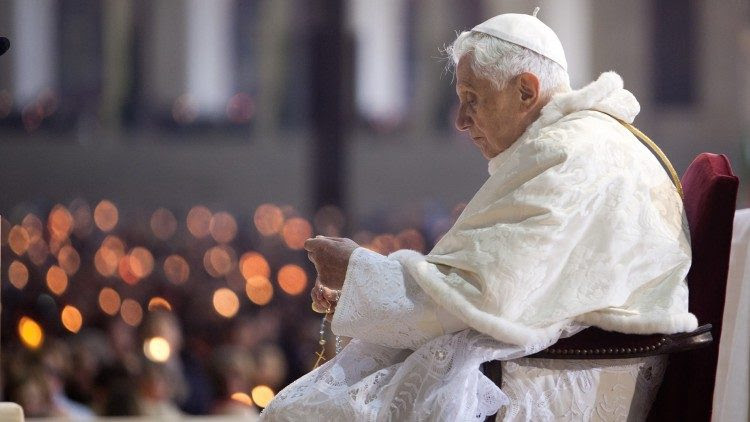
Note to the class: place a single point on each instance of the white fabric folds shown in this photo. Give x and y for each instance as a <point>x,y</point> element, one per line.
<point>578,222</point>
<point>577,225</point>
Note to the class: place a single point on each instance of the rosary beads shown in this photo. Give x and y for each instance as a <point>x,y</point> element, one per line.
<point>322,341</point>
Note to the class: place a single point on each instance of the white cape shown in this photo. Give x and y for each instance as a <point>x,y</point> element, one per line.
<point>577,225</point>
<point>578,222</point>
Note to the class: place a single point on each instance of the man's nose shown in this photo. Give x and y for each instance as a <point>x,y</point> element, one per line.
<point>463,122</point>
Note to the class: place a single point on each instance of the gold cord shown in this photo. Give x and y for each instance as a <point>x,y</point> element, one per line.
<point>651,145</point>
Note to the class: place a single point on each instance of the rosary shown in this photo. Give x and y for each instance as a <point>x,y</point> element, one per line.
<point>322,341</point>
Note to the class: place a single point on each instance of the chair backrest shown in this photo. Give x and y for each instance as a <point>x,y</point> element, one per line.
<point>710,189</point>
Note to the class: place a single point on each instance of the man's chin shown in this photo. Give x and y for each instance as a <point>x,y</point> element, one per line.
<point>487,154</point>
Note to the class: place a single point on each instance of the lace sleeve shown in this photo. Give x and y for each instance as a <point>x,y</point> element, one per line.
<point>380,303</point>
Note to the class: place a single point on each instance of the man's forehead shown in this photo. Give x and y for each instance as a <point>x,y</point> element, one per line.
<point>464,73</point>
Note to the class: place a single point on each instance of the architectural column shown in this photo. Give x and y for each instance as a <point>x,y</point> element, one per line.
<point>190,56</point>
<point>34,49</point>
<point>117,60</point>
<point>209,53</point>
<point>274,31</point>
<point>380,53</point>
<point>434,30</point>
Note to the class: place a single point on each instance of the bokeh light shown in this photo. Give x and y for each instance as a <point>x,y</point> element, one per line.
<point>106,215</point>
<point>262,395</point>
<point>223,227</point>
<point>157,349</point>
<point>19,240</point>
<point>107,258</point>
<point>292,279</point>
<point>33,226</point>
<point>384,244</point>
<point>295,231</point>
<point>59,222</point>
<point>163,224</point>
<point>411,239</point>
<point>82,219</point>
<point>219,260</point>
<point>38,252</point>
<point>268,219</point>
<point>30,333</point>
<point>57,280</point>
<point>243,398</point>
<point>141,262</point>
<point>109,301</point>
<point>18,274</point>
<point>68,259</point>
<point>176,269</point>
<point>252,264</point>
<point>157,303</point>
<point>259,290</point>
<point>226,302</point>
<point>71,318</point>
<point>240,108</point>
<point>125,271</point>
<point>199,221</point>
<point>131,312</point>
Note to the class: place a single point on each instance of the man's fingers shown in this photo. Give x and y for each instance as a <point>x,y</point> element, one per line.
<point>330,295</point>
<point>311,243</point>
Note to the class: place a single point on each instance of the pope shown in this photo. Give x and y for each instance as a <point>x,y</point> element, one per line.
<point>578,225</point>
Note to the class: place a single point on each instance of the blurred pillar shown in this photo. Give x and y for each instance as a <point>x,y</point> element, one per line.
<point>209,52</point>
<point>274,27</point>
<point>572,22</point>
<point>327,100</point>
<point>380,32</point>
<point>34,51</point>
<point>164,53</point>
<point>190,51</point>
<point>117,61</point>
<point>434,30</point>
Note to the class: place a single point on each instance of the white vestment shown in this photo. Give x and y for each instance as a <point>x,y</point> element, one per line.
<point>578,225</point>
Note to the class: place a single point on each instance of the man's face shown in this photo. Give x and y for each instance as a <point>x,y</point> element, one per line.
<point>493,118</point>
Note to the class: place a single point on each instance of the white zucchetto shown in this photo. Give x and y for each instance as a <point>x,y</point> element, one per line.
<point>527,31</point>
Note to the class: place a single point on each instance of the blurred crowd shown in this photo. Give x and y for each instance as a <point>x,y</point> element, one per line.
<point>114,313</point>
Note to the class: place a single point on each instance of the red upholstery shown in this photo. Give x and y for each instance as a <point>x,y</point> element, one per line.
<point>710,190</point>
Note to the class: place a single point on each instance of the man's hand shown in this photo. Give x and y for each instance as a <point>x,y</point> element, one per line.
<point>324,299</point>
<point>331,258</point>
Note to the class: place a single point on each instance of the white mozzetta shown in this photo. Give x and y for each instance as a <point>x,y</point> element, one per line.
<point>577,222</point>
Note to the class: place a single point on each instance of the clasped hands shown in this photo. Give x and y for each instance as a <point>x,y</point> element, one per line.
<point>330,255</point>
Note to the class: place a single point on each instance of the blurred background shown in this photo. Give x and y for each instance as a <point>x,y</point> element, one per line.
<point>163,162</point>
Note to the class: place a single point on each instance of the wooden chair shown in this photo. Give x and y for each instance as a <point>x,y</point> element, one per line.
<point>710,192</point>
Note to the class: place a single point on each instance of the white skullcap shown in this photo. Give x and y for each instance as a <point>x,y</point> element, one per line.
<point>527,31</point>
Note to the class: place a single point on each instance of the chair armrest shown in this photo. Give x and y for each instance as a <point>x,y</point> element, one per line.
<point>11,412</point>
<point>595,343</point>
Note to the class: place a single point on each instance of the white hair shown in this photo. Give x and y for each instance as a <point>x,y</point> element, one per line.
<point>500,61</point>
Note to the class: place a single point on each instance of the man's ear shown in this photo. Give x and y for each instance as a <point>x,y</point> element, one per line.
<point>528,87</point>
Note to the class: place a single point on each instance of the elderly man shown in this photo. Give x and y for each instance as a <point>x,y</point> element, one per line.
<point>578,225</point>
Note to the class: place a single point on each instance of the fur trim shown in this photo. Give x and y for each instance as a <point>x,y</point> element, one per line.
<point>604,94</point>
